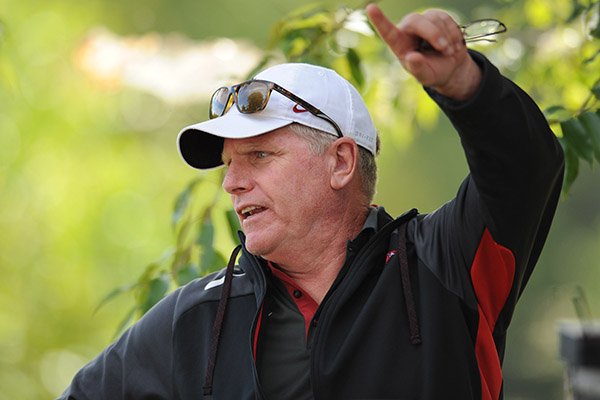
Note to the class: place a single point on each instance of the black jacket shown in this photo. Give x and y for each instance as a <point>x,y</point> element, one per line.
<point>434,328</point>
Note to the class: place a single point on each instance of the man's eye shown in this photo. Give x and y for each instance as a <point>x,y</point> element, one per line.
<point>261,155</point>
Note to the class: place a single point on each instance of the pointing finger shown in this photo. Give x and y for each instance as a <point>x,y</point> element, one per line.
<point>387,30</point>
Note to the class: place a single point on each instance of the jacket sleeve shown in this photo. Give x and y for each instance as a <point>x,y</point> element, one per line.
<point>138,365</point>
<point>485,242</point>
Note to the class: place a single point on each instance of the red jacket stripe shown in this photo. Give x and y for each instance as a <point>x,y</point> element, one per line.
<point>492,274</point>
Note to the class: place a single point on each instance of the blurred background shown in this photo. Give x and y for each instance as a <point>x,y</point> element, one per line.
<point>92,96</point>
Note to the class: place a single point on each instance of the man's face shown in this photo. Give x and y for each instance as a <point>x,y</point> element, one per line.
<point>279,189</point>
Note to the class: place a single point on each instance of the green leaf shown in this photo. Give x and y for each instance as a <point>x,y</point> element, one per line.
<point>557,113</point>
<point>181,259</point>
<point>306,11</point>
<point>355,68</point>
<point>207,232</point>
<point>571,166</point>
<point>310,16</point>
<point>596,88</point>
<point>591,123</point>
<point>577,138</point>
<point>182,201</point>
<point>234,224</point>
<point>207,259</point>
<point>154,291</point>
<point>595,31</point>
<point>187,274</point>
<point>205,240</point>
<point>112,294</point>
<point>322,21</point>
<point>220,261</point>
<point>148,273</point>
<point>182,232</point>
<point>577,10</point>
<point>296,47</point>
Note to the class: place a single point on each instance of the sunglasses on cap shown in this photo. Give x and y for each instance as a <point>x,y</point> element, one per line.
<point>252,96</point>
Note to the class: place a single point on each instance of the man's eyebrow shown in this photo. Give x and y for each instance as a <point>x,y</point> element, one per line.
<point>244,149</point>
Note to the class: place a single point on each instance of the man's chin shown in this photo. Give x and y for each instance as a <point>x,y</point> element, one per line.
<point>258,246</point>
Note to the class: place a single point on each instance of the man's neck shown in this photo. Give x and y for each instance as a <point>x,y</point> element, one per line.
<point>315,264</point>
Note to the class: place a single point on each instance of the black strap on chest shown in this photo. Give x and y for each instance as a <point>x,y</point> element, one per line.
<point>218,324</point>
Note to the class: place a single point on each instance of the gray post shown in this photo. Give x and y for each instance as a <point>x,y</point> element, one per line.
<point>580,349</point>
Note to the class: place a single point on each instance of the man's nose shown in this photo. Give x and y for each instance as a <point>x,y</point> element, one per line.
<point>237,179</point>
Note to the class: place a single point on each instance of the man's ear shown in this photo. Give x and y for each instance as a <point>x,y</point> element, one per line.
<point>344,162</point>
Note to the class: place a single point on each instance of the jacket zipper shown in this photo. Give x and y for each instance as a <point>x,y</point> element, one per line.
<point>362,254</point>
<point>260,275</point>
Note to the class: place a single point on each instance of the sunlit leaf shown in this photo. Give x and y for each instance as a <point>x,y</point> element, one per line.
<point>296,47</point>
<point>577,138</point>
<point>557,113</point>
<point>323,22</point>
<point>317,17</point>
<point>571,165</point>
<point>591,123</point>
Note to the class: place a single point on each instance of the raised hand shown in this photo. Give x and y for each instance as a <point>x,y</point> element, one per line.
<point>446,67</point>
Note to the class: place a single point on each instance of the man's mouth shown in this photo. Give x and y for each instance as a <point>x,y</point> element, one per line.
<point>250,211</point>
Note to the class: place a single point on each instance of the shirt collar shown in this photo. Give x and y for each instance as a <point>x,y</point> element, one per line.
<point>369,228</point>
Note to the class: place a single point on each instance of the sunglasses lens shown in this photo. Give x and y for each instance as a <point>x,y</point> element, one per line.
<point>252,97</point>
<point>218,102</point>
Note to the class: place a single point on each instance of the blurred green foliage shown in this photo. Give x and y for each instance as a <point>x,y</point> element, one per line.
<point>89,173</point>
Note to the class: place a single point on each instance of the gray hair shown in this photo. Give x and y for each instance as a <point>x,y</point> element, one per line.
<point>319,141</point>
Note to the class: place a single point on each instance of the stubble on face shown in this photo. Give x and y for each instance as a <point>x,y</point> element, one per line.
<point>280,190</point>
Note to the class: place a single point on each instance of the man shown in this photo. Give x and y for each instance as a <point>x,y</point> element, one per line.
<point>333,298</point>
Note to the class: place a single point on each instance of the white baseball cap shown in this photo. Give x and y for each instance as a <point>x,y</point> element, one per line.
<point>201,144</point>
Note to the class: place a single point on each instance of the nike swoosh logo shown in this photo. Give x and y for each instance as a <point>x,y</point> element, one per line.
<point>298,109</point>
<point>219,282</point>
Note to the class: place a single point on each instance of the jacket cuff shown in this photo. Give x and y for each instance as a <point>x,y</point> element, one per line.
<point>487,94</point>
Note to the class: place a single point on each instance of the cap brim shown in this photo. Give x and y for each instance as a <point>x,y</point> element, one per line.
<point>200,145</point>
